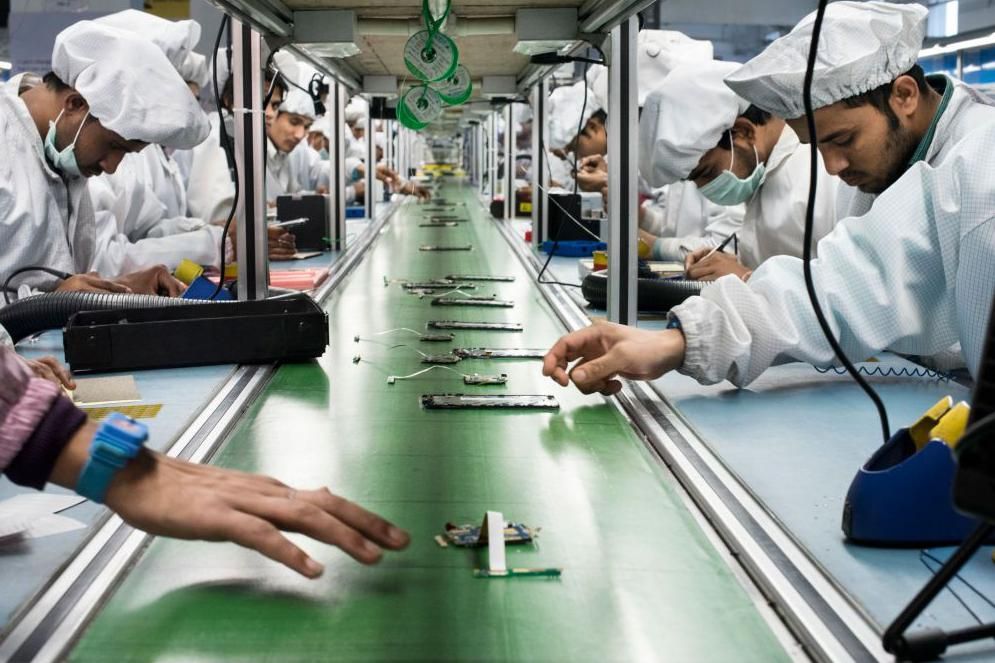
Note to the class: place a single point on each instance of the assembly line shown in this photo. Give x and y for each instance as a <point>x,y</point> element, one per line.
<point>449,331</point>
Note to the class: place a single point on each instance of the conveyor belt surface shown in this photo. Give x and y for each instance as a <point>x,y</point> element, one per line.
<point>641,580</point>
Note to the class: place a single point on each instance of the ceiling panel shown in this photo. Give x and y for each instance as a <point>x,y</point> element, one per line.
<point>412,8</point>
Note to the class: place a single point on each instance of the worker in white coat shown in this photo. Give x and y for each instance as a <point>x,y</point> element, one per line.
<point>292,166</point>
<point>915,273</point>
<point>141,209</point>
<point>673,216</point>
<point>695,129</point>
<point>93,108</point>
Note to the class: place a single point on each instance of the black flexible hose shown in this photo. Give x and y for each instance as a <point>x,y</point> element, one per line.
<point>659,295</point>
<point>52,310</point>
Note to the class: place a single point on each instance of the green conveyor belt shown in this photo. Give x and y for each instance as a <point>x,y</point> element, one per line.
<point>640,580</point>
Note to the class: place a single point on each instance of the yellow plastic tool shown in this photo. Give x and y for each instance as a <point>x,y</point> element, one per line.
<point>188,271</point>
<point>953,424</point>
<point>920,431</point>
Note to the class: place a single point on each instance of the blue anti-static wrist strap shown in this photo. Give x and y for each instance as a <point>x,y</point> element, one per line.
<point>95,479</point>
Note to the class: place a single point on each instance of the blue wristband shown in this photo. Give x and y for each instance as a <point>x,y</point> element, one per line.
<point>118,440</point>
<point>673,322</point>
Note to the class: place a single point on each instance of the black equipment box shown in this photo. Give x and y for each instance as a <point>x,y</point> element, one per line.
<point>313,235</point>
<point>289,328</point>
<point>567,210</point>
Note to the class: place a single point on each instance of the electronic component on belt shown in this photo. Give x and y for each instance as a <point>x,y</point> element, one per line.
<point>473,301</point>
<point>476,326</point>
<point>440,359</point>
<point>426,338</point>
<point>489,401</point>
<point>438,224</point>
<point>484,380</point>
<point>473,536</point>
<point>480,277</point>
<point>438,285</point>
<point>459,247</point>
<point>500,353</point>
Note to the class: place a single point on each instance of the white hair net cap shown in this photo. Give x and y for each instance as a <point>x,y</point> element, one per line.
<point>658,52</point>
<point>380,140</point>
<point>356,109</point>
<point>684,118</point>
<point>194,70</point>
<point>567,113</point>
<point>323,126</point>
<point>298,102</point>
<point>130,86</point>
<point>175,38</point>
<point>863,45</point>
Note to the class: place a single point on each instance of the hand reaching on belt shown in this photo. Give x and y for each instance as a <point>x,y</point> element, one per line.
<point>170,497</point>
<point>606,351</point>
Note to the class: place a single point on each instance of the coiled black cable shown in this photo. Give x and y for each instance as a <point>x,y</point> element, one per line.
<point>891,372</point>
<point>38,313</point>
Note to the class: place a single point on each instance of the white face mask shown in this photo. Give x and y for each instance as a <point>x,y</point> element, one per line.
<point>727,189</point>
<point>63,160</point>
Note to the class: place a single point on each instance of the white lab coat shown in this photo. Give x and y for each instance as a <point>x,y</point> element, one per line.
<point>684,221</point>
<point>774,224</point>
<point>915,274</point>
<point>45,220</point>
<point>210,190</point>
<point>301,169</point>
<point>141,218</point>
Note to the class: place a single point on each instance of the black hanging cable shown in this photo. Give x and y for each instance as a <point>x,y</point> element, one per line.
<point>31,268</point>
<point>810,222</point>
<point>228,149</point>
<point>556,239</point>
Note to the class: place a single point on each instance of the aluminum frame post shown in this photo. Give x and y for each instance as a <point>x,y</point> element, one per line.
<point>371,167</point>
<point>494,143</point>
<point>337,179</point>
<point>509,161</point>
<point>623,112</point>
<point>388,134</point>
<point>540,181</point>
<point>250,158</point>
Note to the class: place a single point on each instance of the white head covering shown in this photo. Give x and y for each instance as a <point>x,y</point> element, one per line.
<point>380,140</point>
<point>323,126</point>
<point>863,45</point>
<point>658,52</point>
<point>130,86</point>
<point>567,112</point>
<point>684,118</point>
<point>356,109</point>
<point>194,70</point>
<point>299,102</point>
<point>175,38</point>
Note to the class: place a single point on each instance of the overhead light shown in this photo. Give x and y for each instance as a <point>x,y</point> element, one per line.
<point>544,30</point>
<point>5,66</point>
<point>941,49</point>
<point>329,33</point>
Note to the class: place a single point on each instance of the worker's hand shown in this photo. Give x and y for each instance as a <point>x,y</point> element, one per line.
<point>153,281</point>
<point>608,351</point>
<point>91,282</point>
<point>412,189</point>
<point>51,369</point>
<point>387,175</point>
<point>701,268</point>
<point>170,497</point>
<point>592,163</point>
<point>592,180</point>
<point>282,244</point>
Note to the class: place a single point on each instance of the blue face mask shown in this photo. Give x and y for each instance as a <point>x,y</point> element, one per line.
<point>727,189</point>
<point>323,153</point>
<point>65,160</point>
